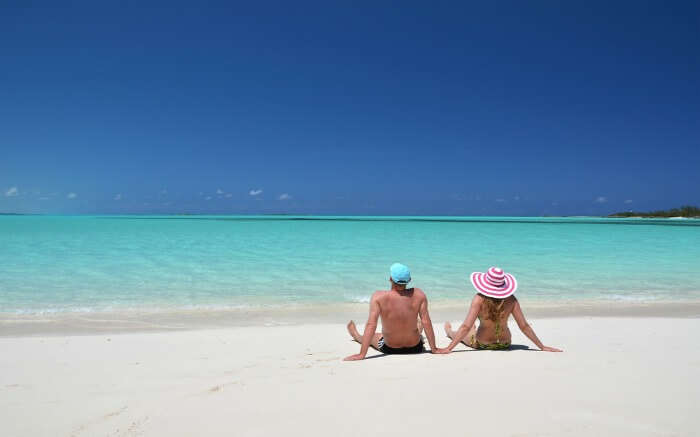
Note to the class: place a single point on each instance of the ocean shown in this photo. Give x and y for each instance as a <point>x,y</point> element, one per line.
<point>54,264</point>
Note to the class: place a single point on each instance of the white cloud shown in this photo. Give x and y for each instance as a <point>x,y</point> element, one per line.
<point>219,191</point>
<point>71,195</point>
<point>284,196</point>
<point>255,192</point>
<point>11,192</point>
<point>118,196</point>
<point>43,198</point>
<point>500,200</point>
<point>628,201</point>
<point>601,199</point>
<point>516,198</point>
<point>207,198</point>
<point>228,195</point>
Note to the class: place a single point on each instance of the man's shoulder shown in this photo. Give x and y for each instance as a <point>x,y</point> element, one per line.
<point>417,292</point>
<point>379,294</point>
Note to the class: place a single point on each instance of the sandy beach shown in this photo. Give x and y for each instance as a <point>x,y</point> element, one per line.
<point>617,376</point>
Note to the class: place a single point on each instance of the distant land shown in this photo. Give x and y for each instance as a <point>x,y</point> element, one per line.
<point>683,211</point>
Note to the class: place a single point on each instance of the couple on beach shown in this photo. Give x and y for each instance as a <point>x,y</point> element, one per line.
<point>404,313</point>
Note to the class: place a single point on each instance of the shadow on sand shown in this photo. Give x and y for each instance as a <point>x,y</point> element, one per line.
<point>513,347</point>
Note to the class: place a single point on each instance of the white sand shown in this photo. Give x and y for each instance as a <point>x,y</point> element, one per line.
<point>617,376</point>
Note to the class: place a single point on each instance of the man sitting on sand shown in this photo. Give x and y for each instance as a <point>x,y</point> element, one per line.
<point>399,309</point>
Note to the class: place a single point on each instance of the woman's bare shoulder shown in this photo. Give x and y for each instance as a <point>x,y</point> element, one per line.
<point>510,304</point>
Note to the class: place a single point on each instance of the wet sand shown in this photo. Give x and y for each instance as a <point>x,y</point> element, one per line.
<point>163,320</point>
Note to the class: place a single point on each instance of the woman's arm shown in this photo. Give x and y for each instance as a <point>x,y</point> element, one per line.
<point>468,322</point>
<point>527,329</point>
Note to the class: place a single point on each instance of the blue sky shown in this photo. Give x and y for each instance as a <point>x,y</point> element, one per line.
<point>458,108</point>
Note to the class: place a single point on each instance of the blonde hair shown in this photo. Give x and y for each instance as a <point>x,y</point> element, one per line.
<point>494,307</point>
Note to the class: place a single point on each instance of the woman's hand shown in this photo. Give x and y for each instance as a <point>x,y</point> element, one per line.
<point>440,351</point>
<point>550,349</point>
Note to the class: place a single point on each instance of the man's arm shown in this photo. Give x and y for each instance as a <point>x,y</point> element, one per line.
<point>468,322</point>
<point>428,326</point>
<point>527,329</point>
<point>370,329</point>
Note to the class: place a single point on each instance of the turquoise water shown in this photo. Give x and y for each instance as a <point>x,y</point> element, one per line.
<point>50,263</point>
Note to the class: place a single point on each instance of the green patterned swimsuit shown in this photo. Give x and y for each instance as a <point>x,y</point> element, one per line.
<point>497,346</point>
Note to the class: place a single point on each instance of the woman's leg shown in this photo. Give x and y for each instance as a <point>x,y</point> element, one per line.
<point>352,330</point>
<point>469,340</point>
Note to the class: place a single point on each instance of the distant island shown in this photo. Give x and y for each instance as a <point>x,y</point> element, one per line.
<point>683,211</point>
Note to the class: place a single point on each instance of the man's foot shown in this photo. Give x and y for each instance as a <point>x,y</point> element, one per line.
<point>352,330</point>
<point>448,329</point>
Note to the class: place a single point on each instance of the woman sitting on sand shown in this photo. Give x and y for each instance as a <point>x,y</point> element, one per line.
<point>493,304</point>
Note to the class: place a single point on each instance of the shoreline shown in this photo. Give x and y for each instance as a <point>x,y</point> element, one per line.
<point>164,320</point>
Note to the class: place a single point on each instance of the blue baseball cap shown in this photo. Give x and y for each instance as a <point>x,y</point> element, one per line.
<point>400,273</point>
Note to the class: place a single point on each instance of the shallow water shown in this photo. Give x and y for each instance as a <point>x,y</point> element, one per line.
<point>87,263</point>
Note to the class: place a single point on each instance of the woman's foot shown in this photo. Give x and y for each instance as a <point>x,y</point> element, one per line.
<point>448,329</point>
<point>352,330</point>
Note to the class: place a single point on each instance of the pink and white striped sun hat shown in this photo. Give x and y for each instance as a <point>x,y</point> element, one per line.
<point>494,283</point>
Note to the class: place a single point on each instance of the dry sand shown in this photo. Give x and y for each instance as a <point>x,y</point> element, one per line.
<point>617,377</point>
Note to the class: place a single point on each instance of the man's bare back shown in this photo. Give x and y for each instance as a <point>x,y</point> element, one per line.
<point>399,309</point>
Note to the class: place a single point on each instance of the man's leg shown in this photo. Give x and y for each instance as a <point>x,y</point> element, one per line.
<point>467,341</point>
<point>352,329</point>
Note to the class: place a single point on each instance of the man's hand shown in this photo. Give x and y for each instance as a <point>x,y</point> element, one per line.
<point>551,349</point>
<point>440,351</point>
<point>355,357</point>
